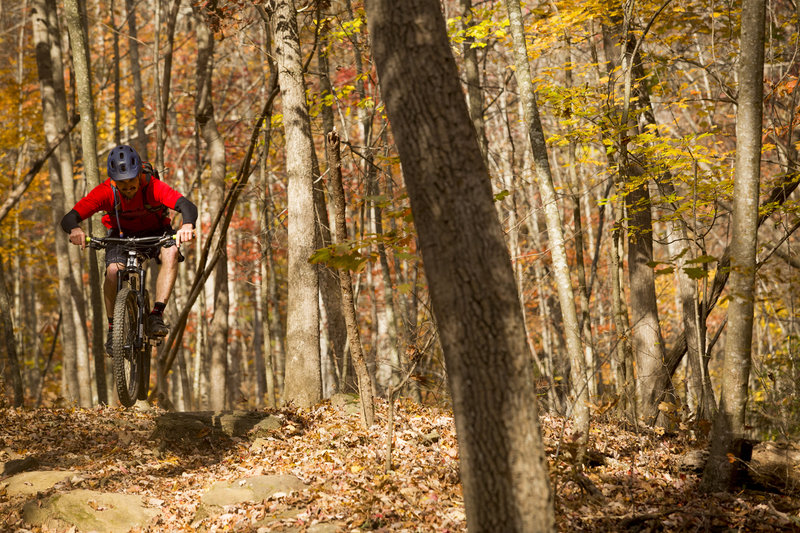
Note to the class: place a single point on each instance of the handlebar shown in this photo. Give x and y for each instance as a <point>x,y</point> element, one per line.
<point>129,242</point>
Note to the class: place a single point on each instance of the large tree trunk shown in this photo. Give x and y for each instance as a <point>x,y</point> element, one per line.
<point>648,342</point>
<point>475,302</point>
<point>729,424</point>
<point>217,284</point>
<point>302,384</point>
<point>78,32</point>
<point>49,60</point>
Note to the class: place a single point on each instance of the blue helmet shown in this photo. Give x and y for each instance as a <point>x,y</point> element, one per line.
<point>123,163</point>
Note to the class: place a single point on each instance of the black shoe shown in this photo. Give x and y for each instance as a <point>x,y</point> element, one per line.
<point>156,326</point>
<point>109,344</point>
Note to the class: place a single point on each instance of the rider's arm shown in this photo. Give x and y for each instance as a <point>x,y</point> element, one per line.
<point>70,221</point>
<point>187,209</point>
<point>96,200</point>
<point>101,198</point>
<point>70,224</point>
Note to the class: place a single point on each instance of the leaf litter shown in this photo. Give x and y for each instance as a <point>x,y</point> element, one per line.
<point>634,480</point>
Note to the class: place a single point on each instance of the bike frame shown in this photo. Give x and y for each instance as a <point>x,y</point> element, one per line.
<point>133,273</point>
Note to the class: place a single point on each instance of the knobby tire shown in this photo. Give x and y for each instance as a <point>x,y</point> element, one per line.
<point>125,358</point>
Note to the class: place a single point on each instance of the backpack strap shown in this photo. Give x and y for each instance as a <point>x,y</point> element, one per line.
<point>150,204</point>
<point>117,202</point>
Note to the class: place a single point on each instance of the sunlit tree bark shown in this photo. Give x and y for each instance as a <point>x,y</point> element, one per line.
<point>78,32</point>
<point>302,384</point>
<point>217,285</point>
<point>49,61</point>
<point>555,230</point>
<point>729,423</point>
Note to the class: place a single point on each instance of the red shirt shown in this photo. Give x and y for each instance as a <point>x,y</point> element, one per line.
<point>135,215</point>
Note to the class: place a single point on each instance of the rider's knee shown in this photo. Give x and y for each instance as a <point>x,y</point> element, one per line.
<point>169,255</point>
<point>111,270</point>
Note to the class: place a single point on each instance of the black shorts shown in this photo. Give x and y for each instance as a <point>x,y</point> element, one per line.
<point>115,253</point>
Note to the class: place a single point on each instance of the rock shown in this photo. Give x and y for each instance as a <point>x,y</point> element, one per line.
<point>194,426</point>
<point>173,427</point>
<point>693,461</point>
<point>430,438</point>
<point>260,445</point>
<point>266,427</point>
<point>239,423</point>
<point>30,483</point>
<point>347,403</point>
<point>776,465</point>
<point>89,510</point>
<point>252,489</point>
<point>15,466</point>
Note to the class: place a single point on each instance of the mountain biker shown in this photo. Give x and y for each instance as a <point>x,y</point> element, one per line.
<point>135,205</point>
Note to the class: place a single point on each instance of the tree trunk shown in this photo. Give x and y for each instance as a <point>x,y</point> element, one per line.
<point>302,385</point>
<point>475,302</point>
<point>337,324</point>
<point>584,322</point>
<point>624,348</point>
<point>346,282</point>
<point>49,61</point>
<point>694,325</point>
<point>7,337</point>
<point>217,284</point>
<point>276,323</point>
<point>330,290</point>
<point>473,79</point>
<point>133,45</point>
<point>647,340</point>
<point>163,92</point>
<point>555,231</point>
<point>9,343</point>
<point>260,348</point>
<point>729,424</point>
<point>83,76</point>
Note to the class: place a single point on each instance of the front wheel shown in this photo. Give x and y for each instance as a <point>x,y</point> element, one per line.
<point>126,359</point>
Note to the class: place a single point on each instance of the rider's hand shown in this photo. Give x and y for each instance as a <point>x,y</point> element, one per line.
<point>185,234</point>
<point>78,237</point>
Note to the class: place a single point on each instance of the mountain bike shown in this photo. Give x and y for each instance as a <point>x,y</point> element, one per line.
<point>130,341</point>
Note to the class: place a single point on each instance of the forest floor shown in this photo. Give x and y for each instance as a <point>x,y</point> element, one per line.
<point>636,484</point>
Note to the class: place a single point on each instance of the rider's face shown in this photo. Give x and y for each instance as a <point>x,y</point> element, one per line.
<point>128,188</point>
